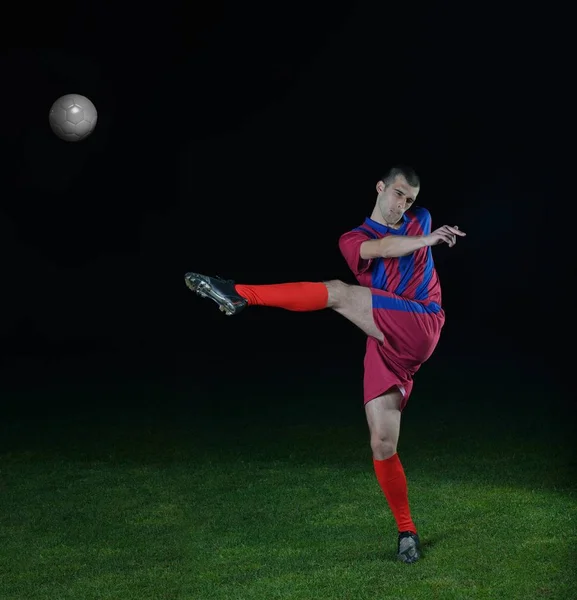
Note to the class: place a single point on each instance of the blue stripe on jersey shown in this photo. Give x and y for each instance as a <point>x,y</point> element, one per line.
<point>424,218</point>
<point>404,305</point>
<point>379,275</point>
<point>422,291</point>
<point>406,269</point>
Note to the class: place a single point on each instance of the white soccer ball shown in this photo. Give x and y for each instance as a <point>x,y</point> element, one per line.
<point>73,117</point>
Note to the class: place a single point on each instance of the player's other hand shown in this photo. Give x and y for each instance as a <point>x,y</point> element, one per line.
<point>446,234</point>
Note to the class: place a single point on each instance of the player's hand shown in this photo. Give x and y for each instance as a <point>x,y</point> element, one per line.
<point>445,234</point>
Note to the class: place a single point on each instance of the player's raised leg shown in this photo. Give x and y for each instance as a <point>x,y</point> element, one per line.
<point>355,303</point>
<point>384,420</point>
<point>352,301</point>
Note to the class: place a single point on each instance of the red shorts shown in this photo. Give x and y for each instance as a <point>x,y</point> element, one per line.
<point>412,330</point>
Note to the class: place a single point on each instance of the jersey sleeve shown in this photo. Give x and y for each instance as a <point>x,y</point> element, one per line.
<point>350,247</point>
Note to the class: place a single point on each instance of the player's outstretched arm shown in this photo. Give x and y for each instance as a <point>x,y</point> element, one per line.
<point>394,246</point>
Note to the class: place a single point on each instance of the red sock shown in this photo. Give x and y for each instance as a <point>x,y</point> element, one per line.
<point>301,296</point>
<point>393,482</point>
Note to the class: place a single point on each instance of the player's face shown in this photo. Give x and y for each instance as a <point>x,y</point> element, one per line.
<point>395,199</point>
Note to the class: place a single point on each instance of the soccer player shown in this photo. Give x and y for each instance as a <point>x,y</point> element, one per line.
<point>397,304</point>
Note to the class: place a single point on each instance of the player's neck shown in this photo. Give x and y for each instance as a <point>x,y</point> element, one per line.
<point>375,216</point>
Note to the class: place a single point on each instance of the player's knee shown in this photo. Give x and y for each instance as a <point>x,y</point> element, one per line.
<point>382,448</point>
<point>337,292</point>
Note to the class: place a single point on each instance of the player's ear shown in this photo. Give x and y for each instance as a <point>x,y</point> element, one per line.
<point>380,187</point>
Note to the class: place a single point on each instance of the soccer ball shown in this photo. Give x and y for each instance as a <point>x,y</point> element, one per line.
<point>73,117</point>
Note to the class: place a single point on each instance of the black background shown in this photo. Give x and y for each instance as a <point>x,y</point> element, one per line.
<point>243,142</point>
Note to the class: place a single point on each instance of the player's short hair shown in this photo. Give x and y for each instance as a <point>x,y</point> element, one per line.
<point>407,172</point>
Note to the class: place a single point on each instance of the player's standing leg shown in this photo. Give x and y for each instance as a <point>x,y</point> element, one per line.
<point>384,420</point>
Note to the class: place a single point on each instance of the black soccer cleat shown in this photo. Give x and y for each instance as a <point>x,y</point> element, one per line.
<point>219,290</point>
<point>408,549</point>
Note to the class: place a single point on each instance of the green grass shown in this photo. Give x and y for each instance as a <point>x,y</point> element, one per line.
<point>274,507</point>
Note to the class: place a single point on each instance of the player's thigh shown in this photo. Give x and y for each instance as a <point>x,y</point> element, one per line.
<point>355,303</point>
<point>384,417</point>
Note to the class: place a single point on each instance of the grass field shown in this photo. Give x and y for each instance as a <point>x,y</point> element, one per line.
<point>280,501</point>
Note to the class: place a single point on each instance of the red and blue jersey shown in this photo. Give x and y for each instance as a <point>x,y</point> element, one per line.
<point>411,277</point>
